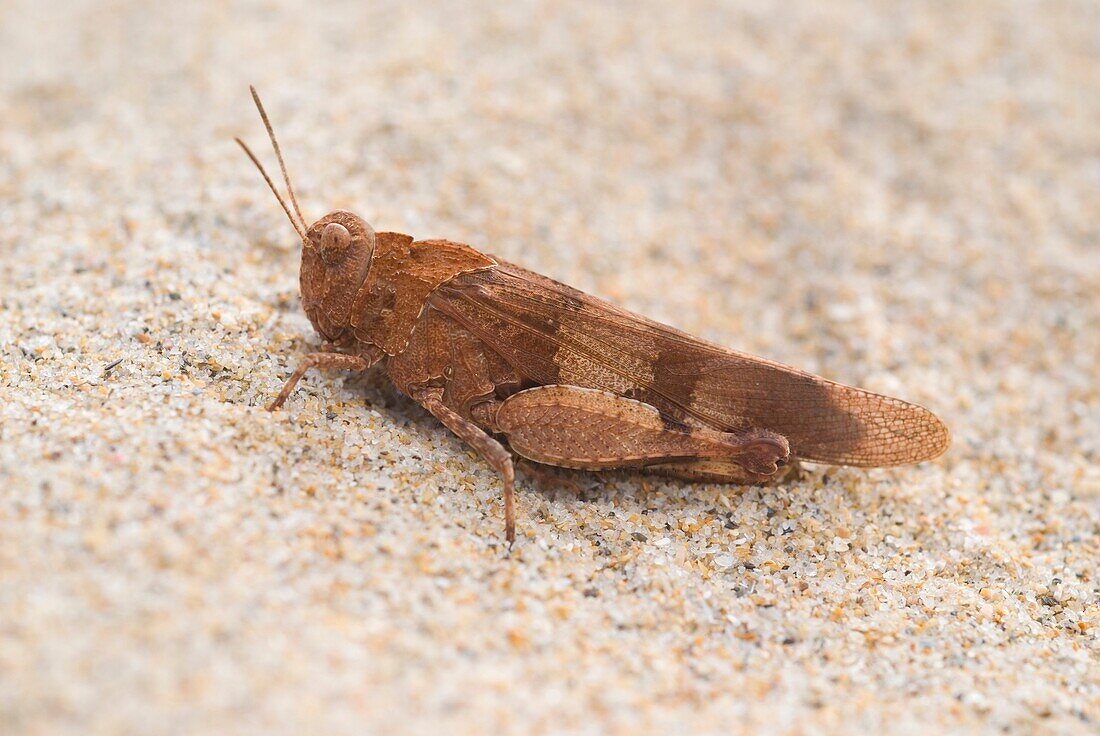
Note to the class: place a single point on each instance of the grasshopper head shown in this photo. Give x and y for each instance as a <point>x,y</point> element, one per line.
<point>338,237</point>
<point>336,255</point>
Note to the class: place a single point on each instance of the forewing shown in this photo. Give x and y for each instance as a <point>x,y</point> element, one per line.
<point>552,333</point>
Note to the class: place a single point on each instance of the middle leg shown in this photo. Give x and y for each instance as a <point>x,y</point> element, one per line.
<point>431,398</point>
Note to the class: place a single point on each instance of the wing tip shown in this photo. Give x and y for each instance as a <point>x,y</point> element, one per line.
<point>935,436</point>
<point>924,436</point>
<point>895,433</point>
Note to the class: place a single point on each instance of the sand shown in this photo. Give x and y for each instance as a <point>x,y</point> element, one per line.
<point>901,196</point>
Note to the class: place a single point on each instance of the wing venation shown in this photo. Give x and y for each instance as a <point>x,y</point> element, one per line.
<point>552,333</point>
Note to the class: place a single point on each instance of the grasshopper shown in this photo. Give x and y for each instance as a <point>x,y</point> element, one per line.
<point>514,362</point>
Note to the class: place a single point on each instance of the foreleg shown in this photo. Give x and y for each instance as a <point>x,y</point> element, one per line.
<point>325,359</point>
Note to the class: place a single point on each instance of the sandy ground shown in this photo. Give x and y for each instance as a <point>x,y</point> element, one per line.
<point>905,196</point>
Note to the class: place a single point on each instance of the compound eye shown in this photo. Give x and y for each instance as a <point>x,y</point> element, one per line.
<point>334,239</point>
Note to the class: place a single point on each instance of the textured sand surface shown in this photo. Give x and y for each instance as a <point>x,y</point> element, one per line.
<point>905,196</point>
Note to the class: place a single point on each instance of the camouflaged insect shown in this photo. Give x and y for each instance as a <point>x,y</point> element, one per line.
<point>511,360</point>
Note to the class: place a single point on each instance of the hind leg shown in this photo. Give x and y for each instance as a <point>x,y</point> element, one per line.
<point>584,428</point>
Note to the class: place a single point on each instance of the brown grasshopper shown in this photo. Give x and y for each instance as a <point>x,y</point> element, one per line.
<point>503,356</point>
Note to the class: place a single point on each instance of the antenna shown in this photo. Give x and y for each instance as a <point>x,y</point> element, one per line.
<point>274,191</point>
<point>278,154</point>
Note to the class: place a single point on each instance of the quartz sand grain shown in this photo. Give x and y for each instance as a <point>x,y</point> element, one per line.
<point>901,196</point>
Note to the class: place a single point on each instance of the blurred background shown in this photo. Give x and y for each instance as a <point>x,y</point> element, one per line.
<point>904,196</point>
